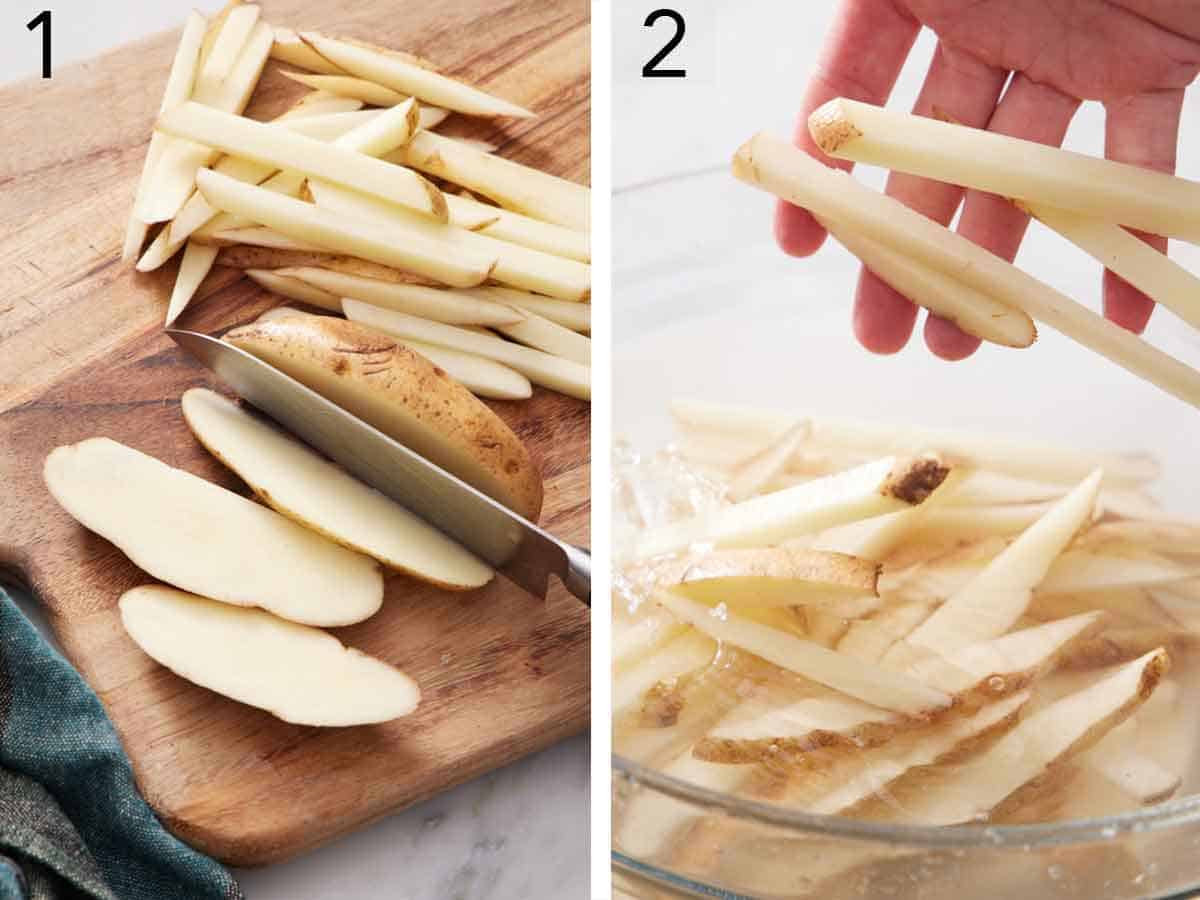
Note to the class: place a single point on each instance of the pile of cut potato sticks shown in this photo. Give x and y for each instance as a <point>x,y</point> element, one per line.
<point>1090,201</point>
<point>904,625</point>
<point>332,205</point>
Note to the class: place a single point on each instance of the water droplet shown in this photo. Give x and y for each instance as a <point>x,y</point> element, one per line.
<point>996,683</point>
<point>720,611</point>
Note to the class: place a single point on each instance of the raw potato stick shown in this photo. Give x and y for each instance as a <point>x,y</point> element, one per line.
<point>1000,453</point>
<point>305,222</point>
<point>854,678</point>
<point>288,48</point>
<point>176,171</point>
<point>873,489</point>
<point>992,602</point>
<point>435,304</point>
<point>560,375</point>
<point>570,314</point>
<point>677,657</point>
<point>348,86</point>
<point>542,334</point>
<point>409,78</point>
<point>258,237</point>
<point>277,282</point>
<point>180,83</point>
<point>482,377</point>
<point>323,497</point>
<point>781,169</point>
<point>506,225</point>
<point>510,184</point>
<point>516,265</point>
<point>757,471</point>
<point>297,673</point>
<point>196,264</point>
<point>264,258</point>
<point>286,150</point>
<point>202,538</point>
<point>231,41</point>
<point>1011,167</point>
<point>974,312</point>
<point>778,576</point>
<point>979,786</point>
<point>1153,273</point>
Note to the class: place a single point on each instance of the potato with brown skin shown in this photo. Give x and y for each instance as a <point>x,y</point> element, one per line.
<point>247,257</point>
<point>405,396</point>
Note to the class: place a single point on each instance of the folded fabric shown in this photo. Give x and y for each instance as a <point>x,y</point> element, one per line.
<point>72,823</point>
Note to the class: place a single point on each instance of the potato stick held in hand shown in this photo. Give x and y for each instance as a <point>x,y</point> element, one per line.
<point>972,157</point>
<point>287,150</point>
<point>409,78</point>
<point>560,375</point>
<point>974,312</point>
<point>780,168</point>
<point>1153,273</point>
<point>305,222</point>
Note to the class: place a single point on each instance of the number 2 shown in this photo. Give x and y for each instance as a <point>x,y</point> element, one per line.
<point>650,69</point>
<point>43,19</point>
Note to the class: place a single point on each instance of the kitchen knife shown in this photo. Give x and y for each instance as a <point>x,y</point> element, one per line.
<point>514,546</point>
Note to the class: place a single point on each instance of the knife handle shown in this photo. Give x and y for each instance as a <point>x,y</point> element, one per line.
<point>578,579</point>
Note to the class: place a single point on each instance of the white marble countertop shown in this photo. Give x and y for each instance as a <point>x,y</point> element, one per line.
<point>519,833</point>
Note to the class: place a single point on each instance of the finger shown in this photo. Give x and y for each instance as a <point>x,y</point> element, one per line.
<point>861,58</point>
<point>1142,130</point>
<point>1028,110</point>
<point>957,87</point>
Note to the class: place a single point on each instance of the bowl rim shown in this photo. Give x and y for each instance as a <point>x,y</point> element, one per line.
<point>1159,817</point>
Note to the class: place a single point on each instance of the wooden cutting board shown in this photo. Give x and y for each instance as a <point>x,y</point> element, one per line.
<point>82,354</point>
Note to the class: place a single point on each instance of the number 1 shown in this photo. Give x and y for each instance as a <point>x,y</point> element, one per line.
<point>43,18</point>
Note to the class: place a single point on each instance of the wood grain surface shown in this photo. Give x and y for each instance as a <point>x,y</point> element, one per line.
<point>82,354</point>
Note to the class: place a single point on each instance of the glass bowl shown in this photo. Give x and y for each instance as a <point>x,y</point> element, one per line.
<point>705,307</point>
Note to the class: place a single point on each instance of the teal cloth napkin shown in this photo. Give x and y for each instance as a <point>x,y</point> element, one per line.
<point>72,823</point>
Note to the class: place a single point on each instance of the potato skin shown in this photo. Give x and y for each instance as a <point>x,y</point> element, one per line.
<point>380,380</point>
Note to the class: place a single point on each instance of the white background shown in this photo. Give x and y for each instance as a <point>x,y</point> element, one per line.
<point>514,834</point>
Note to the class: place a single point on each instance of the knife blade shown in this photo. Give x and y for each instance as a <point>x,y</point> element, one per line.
<point>517,548</point>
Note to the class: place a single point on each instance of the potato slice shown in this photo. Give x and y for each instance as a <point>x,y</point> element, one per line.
<point>309,489</point>
<point>403,395</point>
<point>993,601</point>
<point>854,678</point>
<point>286,149</point>
<point>510,184</point>
<point>980,787</point>
<point>860,493</point>
<point>777,576</point>
<point>561,375</point>
<point>434,304</point>
<point>410,78</point>
<point>295,672</point>
<point>202,538</point>
<point>305,222</point>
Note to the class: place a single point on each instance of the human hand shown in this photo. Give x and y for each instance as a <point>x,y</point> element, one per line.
<point>1135,56</point>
